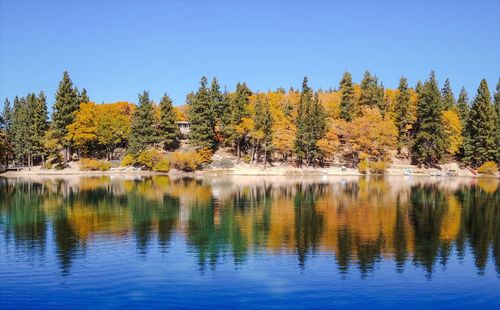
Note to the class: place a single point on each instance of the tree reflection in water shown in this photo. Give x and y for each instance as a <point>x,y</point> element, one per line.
<point>358,221</point>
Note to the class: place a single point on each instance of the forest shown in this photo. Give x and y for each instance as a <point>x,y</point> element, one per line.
<point>362,125</point>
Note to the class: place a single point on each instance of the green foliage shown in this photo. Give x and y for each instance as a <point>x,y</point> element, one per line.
<point>403,119</point>
<point>144,133</point>
<point>128,160</point>
<point>163,165</point>
<point>169,130</point>
<point>372,94</point>
<point>186,161</point>
<point>238,130</point>
<point>447,97</point>
<point>430,140</point>
<point>347,108</point>
<point>311,126</point>
<point>496,103</point>
<point>201,117</point>
<point>488,168</point>
<point>67,103</point>
<point>480,143</point>
<point>88,164</point>
<point>463,107</point>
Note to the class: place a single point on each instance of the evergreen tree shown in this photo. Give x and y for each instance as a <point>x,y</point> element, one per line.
<point>447,97</point>
<point>311,125</point>
<point>21,130</point>
<point>7,117</point>
<point>463,107</point>
<point>202,133</point>
<point>83,97</point>
<point>496,102</point>
<point>238,111</point>
<point>144,133</point>
<point>67,103</point>
<point>169,129</point>
<point>480,140</point>
<point>221,112</point>
<point>403,119</point>
<point>372,94</point>
<point>347,108</point>
<point>430,139</point>
<point>39,124</point>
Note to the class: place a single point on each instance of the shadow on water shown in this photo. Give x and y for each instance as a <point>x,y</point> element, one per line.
<point>359,222</point>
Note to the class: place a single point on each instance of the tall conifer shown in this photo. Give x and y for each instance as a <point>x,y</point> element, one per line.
<point>480,143</point>
<point>169,130</point>
<point>430,140</point>
<point>201,118</point>
<point>403,119</point>
<point>144,133</point>
<point>347,108</point>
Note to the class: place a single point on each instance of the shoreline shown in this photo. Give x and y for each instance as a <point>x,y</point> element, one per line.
<point>253,171</point>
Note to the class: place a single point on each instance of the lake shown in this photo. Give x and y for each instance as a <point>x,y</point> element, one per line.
<point>249,242</point>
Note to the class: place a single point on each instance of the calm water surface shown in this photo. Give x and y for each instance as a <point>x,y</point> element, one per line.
<point>249,242</point>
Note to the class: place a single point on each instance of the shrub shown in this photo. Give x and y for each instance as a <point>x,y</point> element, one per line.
<point>488,168</point>
<point>149,158</point>
<point>378,167</point>
<point>104,165</point>
<point>88,164</point>
<point>363,166</point>
<point>47,165</point>
<point>162,166</point>
<point>189,161</point>
<point>128,160</point>
<point>205,155</point>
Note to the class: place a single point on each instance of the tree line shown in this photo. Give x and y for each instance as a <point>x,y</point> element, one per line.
<point>350,123</point>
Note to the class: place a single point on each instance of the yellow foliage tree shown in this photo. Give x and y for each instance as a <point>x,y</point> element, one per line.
<point>370,133</point>
<point>453,130</point>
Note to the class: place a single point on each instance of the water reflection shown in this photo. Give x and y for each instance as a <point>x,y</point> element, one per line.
<point>358,222</point>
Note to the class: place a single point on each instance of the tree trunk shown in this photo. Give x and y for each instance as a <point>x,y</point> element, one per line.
<point>65,156</point>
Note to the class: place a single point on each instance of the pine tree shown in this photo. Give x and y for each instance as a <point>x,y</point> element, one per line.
<point>480,140</point>
<point>447,97</point>
<point>21,130</point>
<point>201,118</point>
<point>144,133</point>
<point>83,97</point>
<point>403,117</point>
<point>372,94</point>
<point>463,107</point>
<point>347,108</point>
<point>169,129</point>
<point>7,118</point>
<point>67,103</point>
<point>430,140</point>
<point>496,102</point>
<point>39,124</point>
<point>311,125</point>
<point>238,106</point>
<point>221,112</point>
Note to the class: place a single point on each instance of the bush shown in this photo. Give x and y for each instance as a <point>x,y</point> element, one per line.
<point>363,166</point>
<point>104,166</point>
<point>488,168</point>
<point>189,161</point>
<point>162,166</point>
<point>205,155</point>
<point>149,158</point>
<point>88,164</point>
<point>128,160</point>
<point>378,167</point>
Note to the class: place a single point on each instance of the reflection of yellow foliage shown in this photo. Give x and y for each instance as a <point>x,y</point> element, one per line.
<point>451,220</point>
<point>489,186</point>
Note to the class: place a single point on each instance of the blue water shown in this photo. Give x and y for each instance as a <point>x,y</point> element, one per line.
<point>249,243</point>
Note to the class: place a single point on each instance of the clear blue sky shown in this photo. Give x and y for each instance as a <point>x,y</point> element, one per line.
<point>117,49</point>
